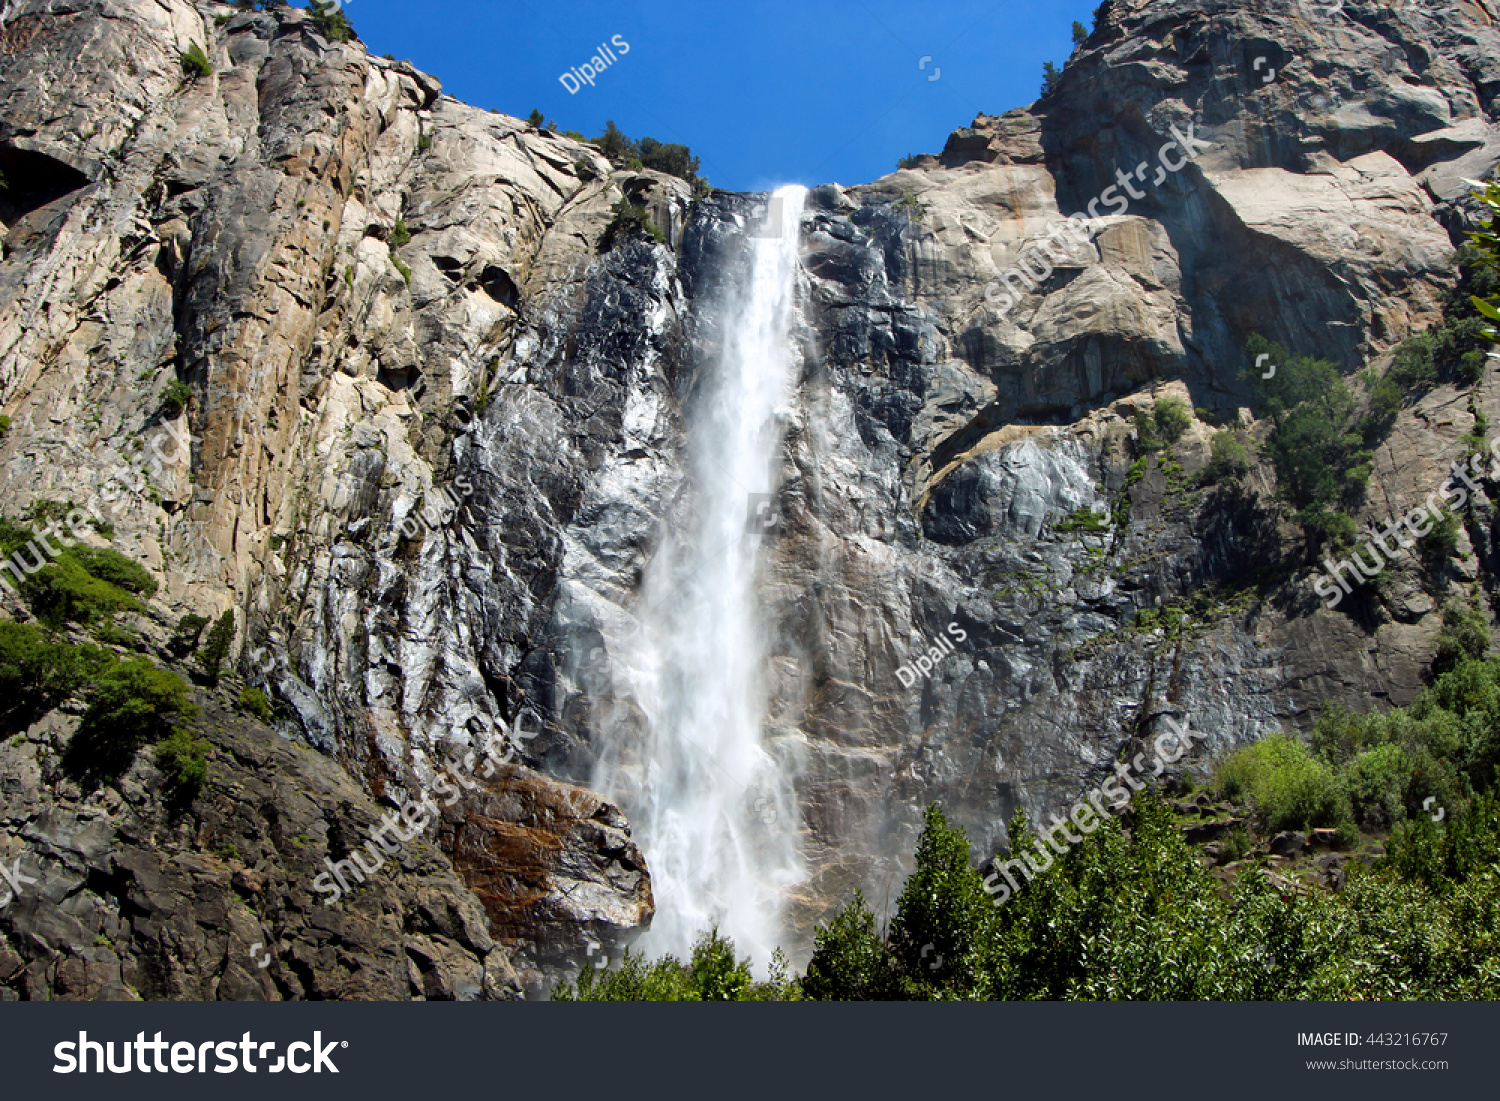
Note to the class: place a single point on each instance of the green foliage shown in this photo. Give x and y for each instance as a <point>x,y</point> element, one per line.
<point>64,591</point>
<point>1050,76</point>
<point>113,567</point>
<point>711,975</point>
<point>330,20</point>
<point>1136,915</point>
<point>13,536</point>
<point>535,119</point>
<point>132,703</point>
<point>1147,438</point>
<point>195,62</point>
<point>1322,465</point>
<point>183,762</point>
<point>850,961</point>
<point>1228,458</point>
<point>1452,349</point>
<point>1172,417</point>
<point>1082,521</point>
<point>400,235</point>
<point>254,701</point>
<point>175,399</point>
<point>631,219</point>
<point>404,271</point>
<point>1484,249</point>
<point>39,670</point>
<point>134,700</point>
<point>185,635</point>
<point>674,160</point>
<point>1298,379</point>
<point>1080,33</point>
<point>937,937</point>
<point>1288,787</point>
<point>1441,541</point>
<point>44,510</point>
<point>4,420</point>
<point>216,649</point>
<point>908,161</point>
<point>1412,367</point>
<point>1385,402</point>
<point>1465,633</point>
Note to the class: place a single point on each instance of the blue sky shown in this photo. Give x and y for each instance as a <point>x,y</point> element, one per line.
<point>764,91</point>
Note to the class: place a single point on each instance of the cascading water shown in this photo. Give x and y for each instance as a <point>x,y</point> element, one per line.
<point>713,810</point>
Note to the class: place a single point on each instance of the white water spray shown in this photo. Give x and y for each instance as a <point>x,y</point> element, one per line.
<point>711,807</point>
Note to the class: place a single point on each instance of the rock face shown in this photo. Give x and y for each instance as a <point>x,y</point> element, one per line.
<point>133,900</point>
<point>438,406</point>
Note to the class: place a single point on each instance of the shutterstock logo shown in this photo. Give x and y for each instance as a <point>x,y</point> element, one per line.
<point>188,1058</point>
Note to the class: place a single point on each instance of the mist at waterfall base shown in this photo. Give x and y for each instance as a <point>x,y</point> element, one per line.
<point>711,807</point>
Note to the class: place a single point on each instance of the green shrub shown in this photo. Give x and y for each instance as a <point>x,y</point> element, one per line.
<point>216,649</point>
<point>1441,541</point>
<point>185,635</point>
<point>849,961</point>
<point>674,160</point>
<point>183,762</point>
<point>1172,418</point>
<point>254,701</point>
<point>402,268</point>
<point>1465,633</point>
<point>110,565</point>
<point>38,670</point>
<point>400,236</point>
<point>1083,520</point>
<point>1288,787</point>
<point>330,20</point>
<point>631,219</point>
<point>1385,403</point>
<point>175,399</point>
<point>1413,368</point>
<point>4,425</point>
<point>535,119</point>
<point>1147,438</point>
<point>44,510</point>
<point>1377,780</point>
<point>63,591</point>
<point>711,975</point>
<point>1050,76</point>
<point>1228,458</point>
<point>112,634</point>
<point>133,701</point>
<point>195,62</point>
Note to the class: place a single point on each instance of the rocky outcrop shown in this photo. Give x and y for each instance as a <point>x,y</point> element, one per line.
<point>439,401</point>
<point>136,898</point>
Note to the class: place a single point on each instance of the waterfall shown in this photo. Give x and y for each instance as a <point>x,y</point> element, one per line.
<point>712,808</point>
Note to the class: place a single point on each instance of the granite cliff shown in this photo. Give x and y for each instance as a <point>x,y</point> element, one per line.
<point>436,401</point>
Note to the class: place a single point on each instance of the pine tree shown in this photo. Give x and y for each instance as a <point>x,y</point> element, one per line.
<point>216,649</point>
<point>328,16</point>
